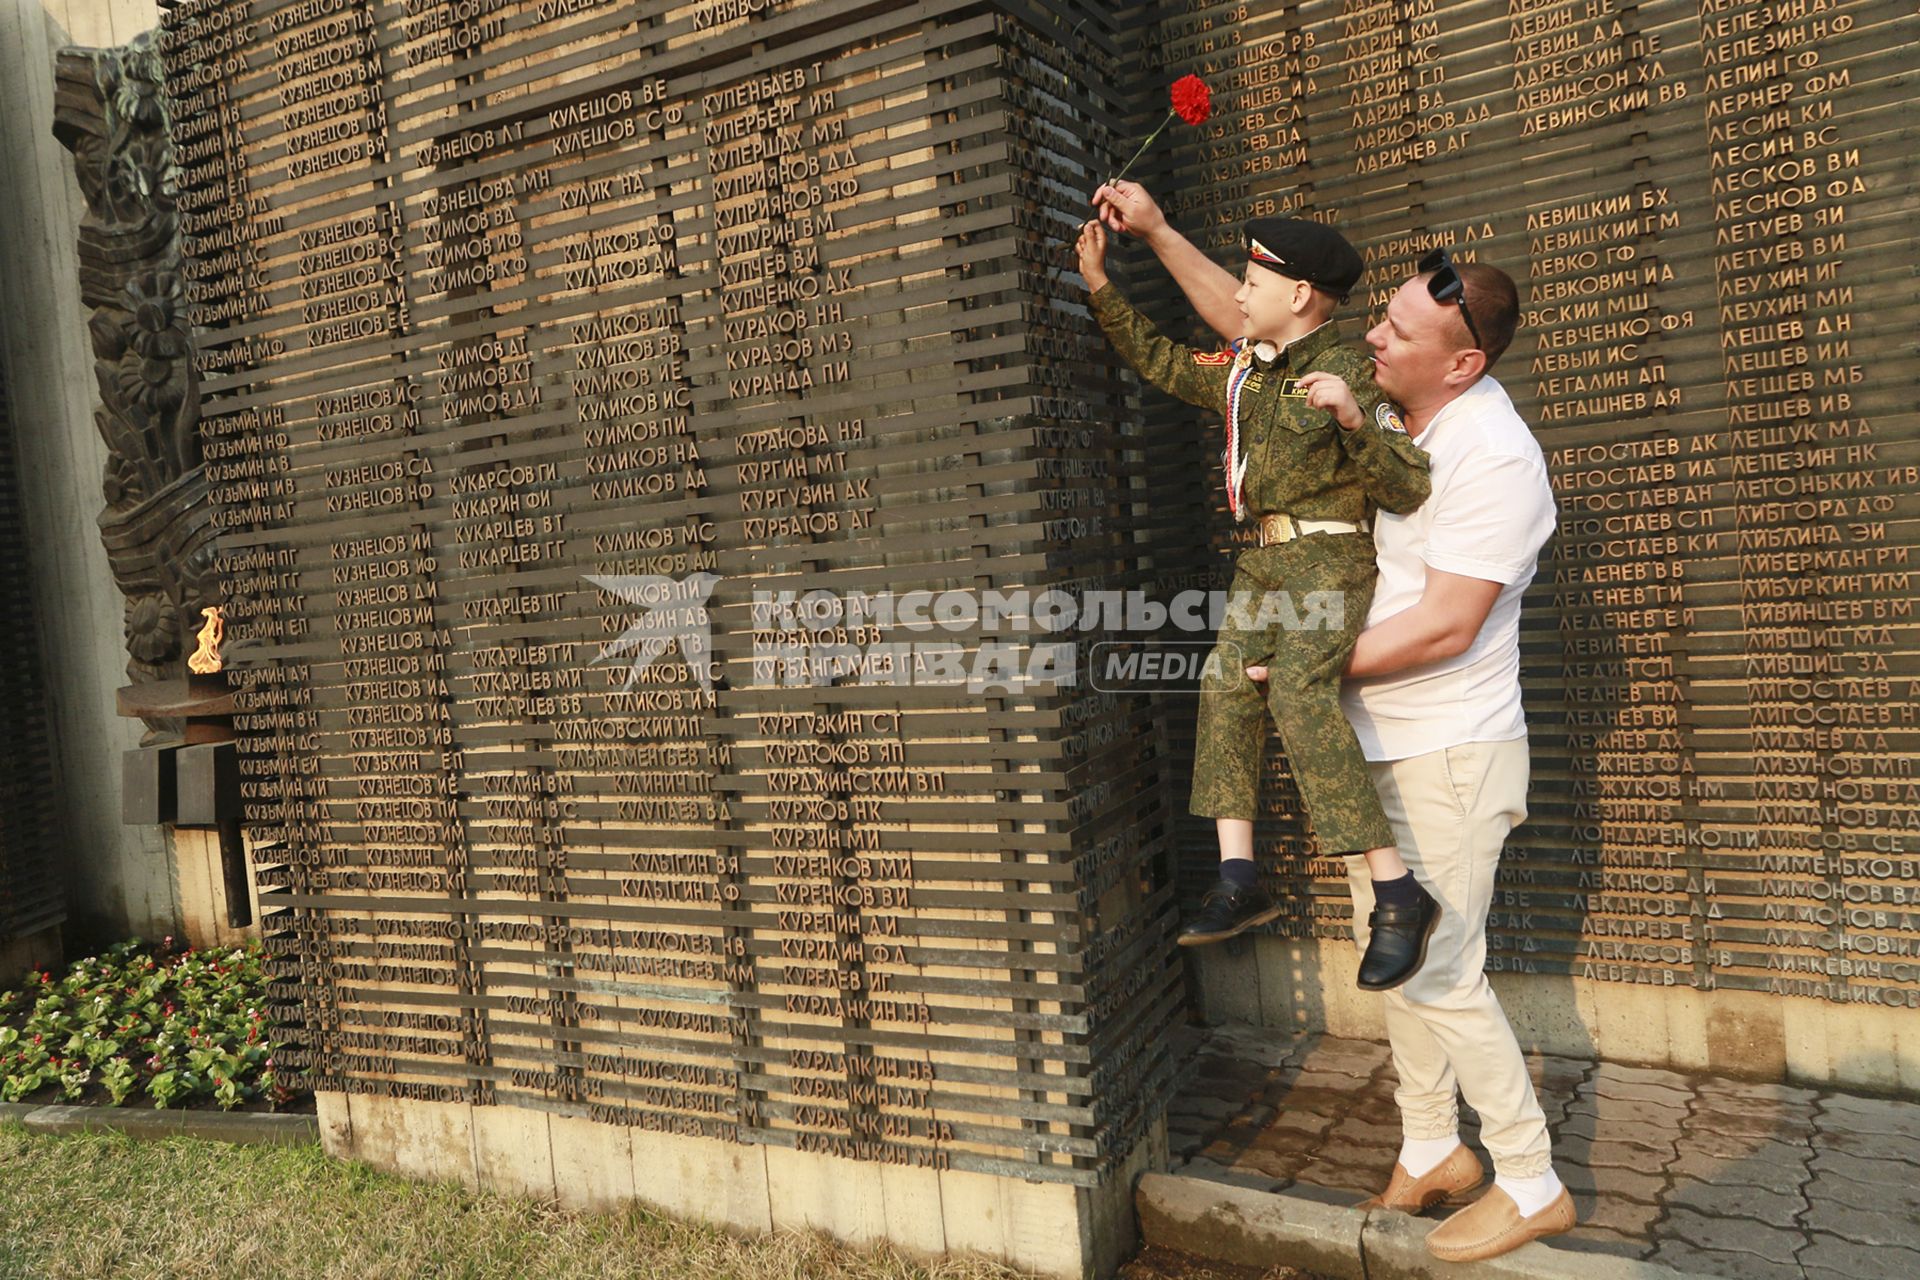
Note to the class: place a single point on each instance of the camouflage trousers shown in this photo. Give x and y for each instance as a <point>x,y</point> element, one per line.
<point>1296,608</point>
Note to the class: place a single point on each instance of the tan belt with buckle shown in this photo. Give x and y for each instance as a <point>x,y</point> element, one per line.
<point>1282,527</point>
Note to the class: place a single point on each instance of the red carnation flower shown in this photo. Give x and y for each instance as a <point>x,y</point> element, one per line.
<point>1192,100</point>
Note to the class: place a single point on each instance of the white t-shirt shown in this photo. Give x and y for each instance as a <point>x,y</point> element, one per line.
<point>1490,513</point>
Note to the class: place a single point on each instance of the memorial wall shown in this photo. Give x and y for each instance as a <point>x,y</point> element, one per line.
<point>1709,208</point>
<point>533,335</point>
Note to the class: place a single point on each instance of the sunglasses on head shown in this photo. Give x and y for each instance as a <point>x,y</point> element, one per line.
<point>1445,285</point>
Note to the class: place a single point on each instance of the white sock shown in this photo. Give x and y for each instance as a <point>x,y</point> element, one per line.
<point>1531,1194</point>
<point>1421,1156</point>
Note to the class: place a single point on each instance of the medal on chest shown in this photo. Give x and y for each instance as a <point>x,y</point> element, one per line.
<point>1236,458</point>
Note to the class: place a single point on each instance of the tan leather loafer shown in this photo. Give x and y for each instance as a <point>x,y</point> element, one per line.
<point>1492,1225</point>
<point>1459,1172</point>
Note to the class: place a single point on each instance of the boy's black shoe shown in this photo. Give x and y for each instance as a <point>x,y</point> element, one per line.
<point>1397,946</point>
<point>1226,910</point>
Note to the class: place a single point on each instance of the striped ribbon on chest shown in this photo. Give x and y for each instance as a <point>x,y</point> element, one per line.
<point>1236,458</point>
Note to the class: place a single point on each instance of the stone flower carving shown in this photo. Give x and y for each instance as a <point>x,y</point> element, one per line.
<point>140,177</point>
<point>153,628</point>
<point>151,384</point>
<point>133,85</point>
<point>157,305</point>
<point>122,485</point>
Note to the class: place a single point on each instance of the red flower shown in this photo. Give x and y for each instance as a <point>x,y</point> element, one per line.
<point>1192,100</point>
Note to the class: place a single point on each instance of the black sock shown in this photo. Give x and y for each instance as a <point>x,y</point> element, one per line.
<point>1238,872</point>
<point>1403,892</point>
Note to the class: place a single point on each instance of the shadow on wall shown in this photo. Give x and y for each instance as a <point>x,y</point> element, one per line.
<point>114,876</point>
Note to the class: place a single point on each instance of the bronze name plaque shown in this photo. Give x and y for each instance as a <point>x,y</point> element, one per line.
<point>1705,207</point>
<point>535,336</point>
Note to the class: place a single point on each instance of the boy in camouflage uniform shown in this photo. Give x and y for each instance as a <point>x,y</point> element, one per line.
<point>1312,449</point>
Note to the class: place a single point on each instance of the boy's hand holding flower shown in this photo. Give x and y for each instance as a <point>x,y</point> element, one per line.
<point>1126,207</point>
<point>1192,102</point>
<point>1092,250</point>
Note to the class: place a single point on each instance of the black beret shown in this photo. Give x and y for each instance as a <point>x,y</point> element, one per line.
<point>1310,251</point>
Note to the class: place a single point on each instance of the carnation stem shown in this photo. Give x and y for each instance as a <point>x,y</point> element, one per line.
<point>1143,147</point>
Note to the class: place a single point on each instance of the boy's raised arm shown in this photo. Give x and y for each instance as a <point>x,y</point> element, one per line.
<point>1210,288</point>
<point>1197,377</point>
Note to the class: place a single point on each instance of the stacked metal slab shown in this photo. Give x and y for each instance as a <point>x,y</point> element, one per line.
<point>534,335</point>
<point>1707,209</point>
<point>30,896</point>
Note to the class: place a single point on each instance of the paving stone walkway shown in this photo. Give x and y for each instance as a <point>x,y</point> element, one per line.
<point>1709,1175</point>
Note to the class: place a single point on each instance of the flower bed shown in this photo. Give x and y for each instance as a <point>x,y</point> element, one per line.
<point>171,1025</point>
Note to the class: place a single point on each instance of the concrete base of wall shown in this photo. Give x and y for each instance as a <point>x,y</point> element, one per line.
<point>1050,1229</point>
<point>1308,986</point>
<point>200,887</point>
<point>35,950</point>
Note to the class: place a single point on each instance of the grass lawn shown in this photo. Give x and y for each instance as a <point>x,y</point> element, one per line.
<point>94,1206</point>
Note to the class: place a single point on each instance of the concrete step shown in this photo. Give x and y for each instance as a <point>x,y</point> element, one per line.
<point>150,1124</point>
<point>1242,1227</point>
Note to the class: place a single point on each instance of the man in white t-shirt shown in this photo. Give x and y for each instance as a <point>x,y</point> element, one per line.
<point>1434,696</point>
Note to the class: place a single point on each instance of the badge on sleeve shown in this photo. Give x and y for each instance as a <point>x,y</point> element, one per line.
<point>1389,417</point>
<point>1213,357</point>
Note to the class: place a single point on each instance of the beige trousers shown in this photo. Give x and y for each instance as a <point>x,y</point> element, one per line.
<point>1451,811</point>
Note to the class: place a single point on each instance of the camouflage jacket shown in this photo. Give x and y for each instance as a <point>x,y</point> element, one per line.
<point>1299,460</point>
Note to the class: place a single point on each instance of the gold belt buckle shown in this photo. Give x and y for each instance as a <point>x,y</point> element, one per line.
<point>1276,528</point>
